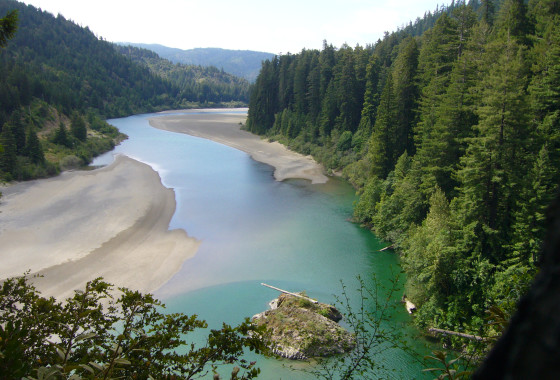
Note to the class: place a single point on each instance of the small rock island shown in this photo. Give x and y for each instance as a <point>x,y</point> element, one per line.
<point>302,328</point>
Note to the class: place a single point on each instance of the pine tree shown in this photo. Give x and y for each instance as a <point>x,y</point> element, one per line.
<point>61,136</point>
<point>33,148</point>
<point>512,21</point>
<point>349,99</point>
<point>406,98</point>
<point>545,85</point>
<point>17,127</point>
<point>487,10</point>
<point>427,259</point>
<point>529,217</point>
<point>8,154</point>
<point>78,127</point>
<point>447,117</point>
<point>314,90</point>
<point>371,97</point>
<point>380,147</point>
<point>8,27</point>
<point>495,157</point>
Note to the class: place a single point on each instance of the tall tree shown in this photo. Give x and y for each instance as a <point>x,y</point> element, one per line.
<point>8,27</point>
<point>8,153</point>
<point>380,143</point>
<point>495,157</point>
<point>406,98</point>
<point>78,127</point>
<point>33,148</point>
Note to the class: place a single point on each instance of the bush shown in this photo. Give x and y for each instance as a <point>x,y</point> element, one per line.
<point>94,335</point>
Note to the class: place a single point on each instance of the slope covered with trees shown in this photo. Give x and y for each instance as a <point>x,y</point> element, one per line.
<point>58,82</point>
<point>242,63</point>
<point>204,85</point>
<point>451,137</point>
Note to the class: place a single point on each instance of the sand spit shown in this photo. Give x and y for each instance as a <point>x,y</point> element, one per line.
<point>110,222</point>
<point>225,129</point>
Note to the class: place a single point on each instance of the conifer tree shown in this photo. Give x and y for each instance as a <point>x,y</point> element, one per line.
<point>380,147</point>
<point>61,136</point>
<point>487,10</point>
<point>8,27</point>
<point>78,127</point>
<point>8,153</point>
<point>495,157</point>
<point>406,98</point>
<point>33,148</point>
<point>529,217</point>
<point>371,97</point>
<point>349,99</point>
<point>314,90</point>
<point>18,130</point>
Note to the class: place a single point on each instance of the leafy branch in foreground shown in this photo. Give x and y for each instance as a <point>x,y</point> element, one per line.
<point>369,321</point>
<point>92,335</point>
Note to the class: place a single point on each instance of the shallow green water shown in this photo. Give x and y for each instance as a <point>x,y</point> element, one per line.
<point>253,229</point>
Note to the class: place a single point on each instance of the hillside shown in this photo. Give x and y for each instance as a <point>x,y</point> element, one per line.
<point>450,136</point>
<point>58,80</point>
<point>242,63</point>
<point>205,85</point>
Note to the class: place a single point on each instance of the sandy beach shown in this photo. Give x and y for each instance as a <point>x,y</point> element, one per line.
<point>113,222</point>
<point>110,222</point>
<point>225,129</point>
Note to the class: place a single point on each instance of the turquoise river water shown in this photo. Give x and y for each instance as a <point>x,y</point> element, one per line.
<point>253,229</point>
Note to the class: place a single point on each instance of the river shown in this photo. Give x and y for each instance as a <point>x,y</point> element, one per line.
<point>253,229</point>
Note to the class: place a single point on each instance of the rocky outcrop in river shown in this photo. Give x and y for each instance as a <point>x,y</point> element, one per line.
<point>301,329</point>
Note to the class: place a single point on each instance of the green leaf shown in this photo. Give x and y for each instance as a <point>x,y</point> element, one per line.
<point>98,367</point>
<point>87,368</point>
<point>85,336</point>
<point>122,361</point>
<point>61,353</point>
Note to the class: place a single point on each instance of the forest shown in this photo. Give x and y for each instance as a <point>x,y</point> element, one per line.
<point>204,85</point>
<point>449,129</point>
<point>57,78</point>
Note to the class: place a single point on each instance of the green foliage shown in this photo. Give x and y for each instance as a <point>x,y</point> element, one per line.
<point>60,137</point>
<point>368,321</point>
<point>8,27</point>
<point>455,152</point>
<point>102,333</point>
<point>78,127</point>
<point>208,86</point>
<point>450,368</point>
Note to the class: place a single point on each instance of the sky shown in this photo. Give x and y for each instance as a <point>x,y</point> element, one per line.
<point>279,26</point>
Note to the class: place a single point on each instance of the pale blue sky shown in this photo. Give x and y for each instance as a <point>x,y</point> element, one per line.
<point>273,26</point>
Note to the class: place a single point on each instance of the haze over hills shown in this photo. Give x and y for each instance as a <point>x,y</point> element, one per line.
<point>243,63</point>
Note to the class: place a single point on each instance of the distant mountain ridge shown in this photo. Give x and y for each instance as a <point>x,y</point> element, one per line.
<point>242,63</point>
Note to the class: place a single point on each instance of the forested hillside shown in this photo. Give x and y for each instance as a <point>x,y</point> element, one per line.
<point>452,138</point>
<point>205,85</point>
<point>242,63</point>
<point>58,81</point>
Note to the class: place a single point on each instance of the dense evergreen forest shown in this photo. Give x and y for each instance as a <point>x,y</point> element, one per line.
<point>242,63</point>
<point>450,130</point>
<point>203,85</point>
<point>58,82</point>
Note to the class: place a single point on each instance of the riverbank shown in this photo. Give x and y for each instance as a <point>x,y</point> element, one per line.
<point>226,129</point>
<point>110,222</point>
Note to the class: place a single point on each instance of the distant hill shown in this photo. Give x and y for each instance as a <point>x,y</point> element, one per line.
<point>58,81</point>
<point>206,84</point>
<point>53,59</point>
<point>243,63</point>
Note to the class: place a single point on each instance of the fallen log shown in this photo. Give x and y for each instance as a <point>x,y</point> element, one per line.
<point>290,293</point>
<point>386,248</point>
<point>463,335</point>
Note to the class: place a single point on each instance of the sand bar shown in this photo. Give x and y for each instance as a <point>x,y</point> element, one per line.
<point>225,129</point>
<point>110,222</point>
